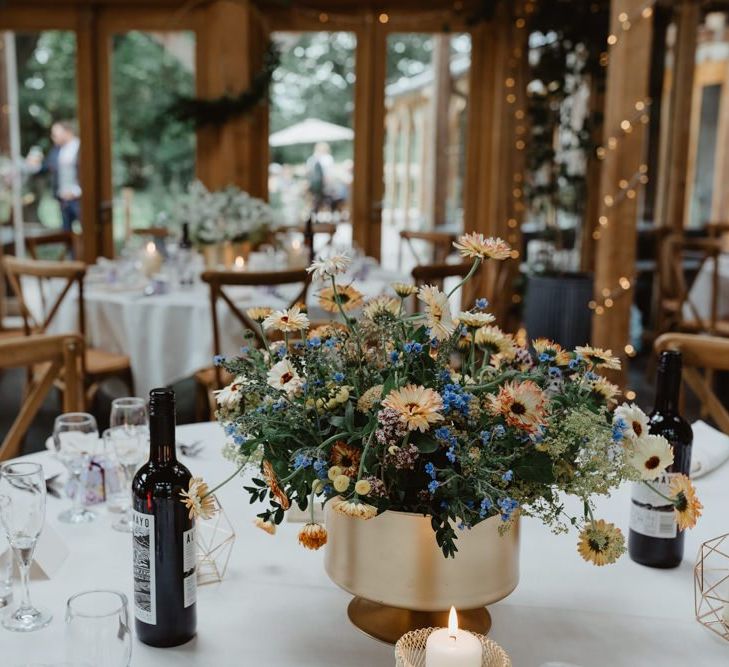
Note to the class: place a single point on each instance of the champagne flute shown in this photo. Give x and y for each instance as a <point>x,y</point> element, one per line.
<point>76,439</point>
<point>97,629</point>
<point>22,513</point>
<point>128,435</point>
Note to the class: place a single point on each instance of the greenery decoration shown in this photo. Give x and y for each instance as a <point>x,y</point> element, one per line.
<point>203,112</point>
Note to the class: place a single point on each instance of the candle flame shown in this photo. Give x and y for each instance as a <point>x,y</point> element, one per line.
<point>151,247</point>
<point>452,623</point>
<point>296,244</point>
<point>240,262</point>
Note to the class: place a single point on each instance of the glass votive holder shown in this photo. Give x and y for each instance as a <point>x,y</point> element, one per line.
<point>410,650</point>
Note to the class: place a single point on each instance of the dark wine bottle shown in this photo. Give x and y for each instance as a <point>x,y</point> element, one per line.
<point>654,539</point>
<point>165,584</point>
<point>185,242</point>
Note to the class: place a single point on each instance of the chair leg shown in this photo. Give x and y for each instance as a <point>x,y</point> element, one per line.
<point>202,406</point>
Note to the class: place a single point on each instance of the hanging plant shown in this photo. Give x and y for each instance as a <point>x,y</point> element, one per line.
<point>218,111</point>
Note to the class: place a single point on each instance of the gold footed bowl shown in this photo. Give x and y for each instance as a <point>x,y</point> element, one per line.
<point>401,580</point>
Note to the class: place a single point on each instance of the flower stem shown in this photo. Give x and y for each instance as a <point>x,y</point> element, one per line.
<point>226,480</point>
<point>658,493</point>
<point>469,275</point>
<point>364,455</point>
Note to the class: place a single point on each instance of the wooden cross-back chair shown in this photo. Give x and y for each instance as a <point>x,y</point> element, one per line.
<point>154,232</point>
<point>59,356</point>
<point>210,379</point>
<point>675,290</point>
<point>707,353</point>
<point>441,243</point>
<point>328,229</point>
<point>97,364</point>
<point>66,244</point>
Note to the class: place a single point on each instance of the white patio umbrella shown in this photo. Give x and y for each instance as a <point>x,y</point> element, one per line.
<point>310,131</point>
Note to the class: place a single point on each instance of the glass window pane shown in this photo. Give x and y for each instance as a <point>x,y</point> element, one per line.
<point>426,103</point>
<point>153,155</point>
<point>311,124</point>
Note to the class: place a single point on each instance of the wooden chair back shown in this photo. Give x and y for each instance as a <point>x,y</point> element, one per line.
<point>699,352</point>
<point>219,280</point>
<point>66,244</point>
<point>57,356</point>
<point>674,288</point>
<point>44,270</point>
<point>441,243</point>
<point>154,232</point>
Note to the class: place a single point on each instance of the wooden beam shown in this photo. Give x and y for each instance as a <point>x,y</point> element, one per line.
<point>671,197</point>
<point>627,85</point>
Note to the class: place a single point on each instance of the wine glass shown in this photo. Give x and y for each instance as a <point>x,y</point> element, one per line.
<point>22,513</point>
<point>129,450</point>
<point>130,413</point>
<point>76,439</point>
<point>97,629</point>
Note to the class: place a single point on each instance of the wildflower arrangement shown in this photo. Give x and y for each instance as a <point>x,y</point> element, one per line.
<point>436,413</point>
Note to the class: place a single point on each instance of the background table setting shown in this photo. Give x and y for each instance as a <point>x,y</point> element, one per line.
<point>275,605</point>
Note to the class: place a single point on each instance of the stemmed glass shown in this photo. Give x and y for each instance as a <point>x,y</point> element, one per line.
<point>76,439</point>
<point>22,513</point>
<point>128,435</point>
<point>97,629</point>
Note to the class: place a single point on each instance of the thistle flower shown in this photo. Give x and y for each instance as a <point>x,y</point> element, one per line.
<point>437,312</point>
<point>313,536</point>
<point>476,245</point>
<point>321,269</point>
<point>198,499</point>
<point>417,406</point>
<point>687,506</point>
<point>355,509</point>
<point>601,543</point>
<point>288,320</point>
<point>266,526</point>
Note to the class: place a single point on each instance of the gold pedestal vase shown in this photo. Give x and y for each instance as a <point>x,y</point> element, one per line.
<point>402,581</point>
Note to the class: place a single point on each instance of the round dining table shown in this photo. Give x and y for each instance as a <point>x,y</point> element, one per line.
<point>276,607</point>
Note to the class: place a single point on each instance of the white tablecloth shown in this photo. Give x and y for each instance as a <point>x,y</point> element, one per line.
<point>277,608</point>
<point>700,293</point>
<point>169,337</point>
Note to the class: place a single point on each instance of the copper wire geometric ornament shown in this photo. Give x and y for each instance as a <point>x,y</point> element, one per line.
<point>215,538</point>
<point>711,585</point>
<point>410,650</point>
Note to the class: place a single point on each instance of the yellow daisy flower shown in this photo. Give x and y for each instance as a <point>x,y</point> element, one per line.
<point>266,526</point>
<point>475,320</point>
<point>601,543</point>
<point>404,290</point>
<point>259,314</point>
<point>605,389</point>
<point>382,306</point>
<point>417,406</point>
<point>557,355</point>
<point>599,357</point>
<point>495,341</point>
<point>522,405</point>
<point>349,298</point>
<point>437,312</point>
<point>355,509</point>
<point>198,499</point>
<point>687,506</point>
<point>477,245</point>
<point>345,459</point>
<point>313,536</point>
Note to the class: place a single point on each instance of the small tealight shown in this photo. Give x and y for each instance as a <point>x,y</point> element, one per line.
<point>452,647</point>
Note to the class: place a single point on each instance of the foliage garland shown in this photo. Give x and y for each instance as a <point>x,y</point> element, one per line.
<point>218,111</point>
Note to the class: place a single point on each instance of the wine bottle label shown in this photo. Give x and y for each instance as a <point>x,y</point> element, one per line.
<point>189,567</point>
<point>651,514</point>
<point>145,603</point>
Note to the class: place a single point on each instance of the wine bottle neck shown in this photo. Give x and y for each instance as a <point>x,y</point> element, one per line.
<point>668,384</point>
<point>162,426</point>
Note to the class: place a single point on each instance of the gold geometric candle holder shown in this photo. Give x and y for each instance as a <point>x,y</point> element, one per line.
<point>215,539</point>
<point>711,585</point>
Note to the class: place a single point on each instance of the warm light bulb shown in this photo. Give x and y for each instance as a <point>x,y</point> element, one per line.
<point>240,263</point>
<point>296,244</point>
<point>452,623</point>
<point>151,247</point>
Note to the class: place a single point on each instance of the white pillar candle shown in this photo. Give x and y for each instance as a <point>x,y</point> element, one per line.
<point>452,647</point>
<point>151,260</point>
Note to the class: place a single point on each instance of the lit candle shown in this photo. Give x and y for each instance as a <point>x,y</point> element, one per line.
<point>239,264</point>
<point>295,255</point>
<point>151,260</point>
<point>451,647</point>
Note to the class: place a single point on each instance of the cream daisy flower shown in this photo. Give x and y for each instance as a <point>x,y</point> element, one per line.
<point>553,352</point>
<point>321,269</point>
<point>230,397</point>
<point>291,319</point>
<point>601,543</point>
<point>349,298</point>
<point>283,376</point>
<point>417,406</point>
<point>599,357</point>
<point>437,312</point>
<point>404,290</point>
<point>259,314</point>
<point>198,499</point>
<point>266,526</point>
<point>650,456</point>
<point>313,536</point>
<point>477,245</point>
<point>634,419</point>
<point>687,506</point>
<point>495,341</point>
<point>355,509</point>
<point>382,306</point>
<point>521,404</point>
<point>605,389</point>
<point>475,320</point>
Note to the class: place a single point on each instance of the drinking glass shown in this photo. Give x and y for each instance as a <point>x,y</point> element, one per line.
<point>22,513</point>
<point>130,413</point>
<point>97,629</point>
<point>76,439</point>
<point>6,571</point>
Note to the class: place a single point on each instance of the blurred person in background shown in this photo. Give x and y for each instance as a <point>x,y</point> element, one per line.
<point>318,173</point>
<point>61,163</point>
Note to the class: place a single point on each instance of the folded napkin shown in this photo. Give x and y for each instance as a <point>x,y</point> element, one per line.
<point>710,450</point>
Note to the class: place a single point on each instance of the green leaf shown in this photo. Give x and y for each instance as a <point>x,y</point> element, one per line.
<point>536,466</point>
<point>425,443</point>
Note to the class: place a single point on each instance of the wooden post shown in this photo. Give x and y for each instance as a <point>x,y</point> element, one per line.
<point>627,86</point>
<point>437,177</point>
<point>671,198</point>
